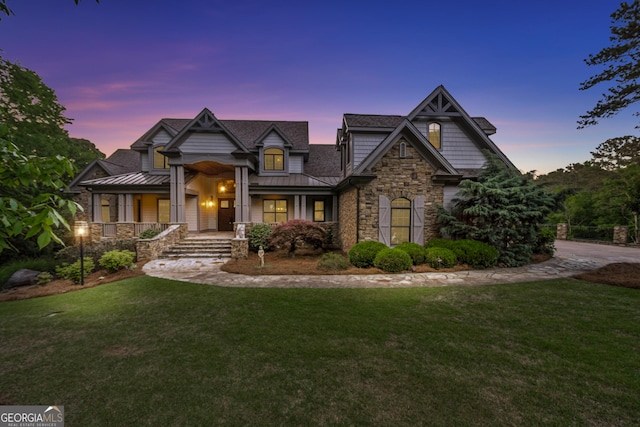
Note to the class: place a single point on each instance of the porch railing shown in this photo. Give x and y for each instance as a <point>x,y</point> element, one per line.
<point>110,229</point>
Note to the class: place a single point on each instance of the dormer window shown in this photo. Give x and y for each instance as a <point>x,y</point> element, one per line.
<point>435,135</point>
<point>273,159</point>
<point>159,160</point>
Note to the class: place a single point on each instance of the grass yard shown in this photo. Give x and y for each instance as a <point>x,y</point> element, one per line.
<point>147,351</point>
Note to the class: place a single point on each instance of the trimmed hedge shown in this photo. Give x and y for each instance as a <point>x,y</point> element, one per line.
<point>441,258</point>
<point>363,254</point>
<point>259,236</point>
<point>471,252</point>
<point>418,253</point>
<point>392,260</point>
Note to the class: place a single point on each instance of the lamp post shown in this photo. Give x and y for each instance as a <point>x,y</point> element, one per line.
<point>81,230</point>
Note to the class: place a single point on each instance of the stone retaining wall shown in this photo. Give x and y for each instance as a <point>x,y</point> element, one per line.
<point>149,249</point>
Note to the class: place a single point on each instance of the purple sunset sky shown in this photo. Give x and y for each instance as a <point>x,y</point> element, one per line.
<point>119,66</point>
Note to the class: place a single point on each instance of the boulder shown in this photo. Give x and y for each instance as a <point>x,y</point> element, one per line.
<point>22,277</point>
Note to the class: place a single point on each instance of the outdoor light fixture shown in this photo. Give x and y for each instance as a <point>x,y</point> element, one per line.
<point>81,229</point>
<point>211,203</point>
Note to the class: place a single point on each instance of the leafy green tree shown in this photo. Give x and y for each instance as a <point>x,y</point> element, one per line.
<point>622,61</point>
<point>35,119</point>
<point>503,208</point>
<point>31,203</point>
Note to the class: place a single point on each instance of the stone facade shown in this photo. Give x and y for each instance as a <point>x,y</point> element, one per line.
<point>148,249</point>
<point>407,177</point>
<point>239,248</point>
<point>347,212</point>
<point>562,231</point>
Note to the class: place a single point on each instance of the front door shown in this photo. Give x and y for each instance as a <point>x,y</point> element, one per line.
<point>226,214</point>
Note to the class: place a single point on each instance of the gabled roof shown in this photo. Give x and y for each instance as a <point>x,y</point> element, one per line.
<point>412,135</point>
<point>440,103</point>
<point>164,124</point>
<point>204,122</point>
<point>249,132</point>
<point>273,128</point>
<point>120,162</point>
<point>372,121</point>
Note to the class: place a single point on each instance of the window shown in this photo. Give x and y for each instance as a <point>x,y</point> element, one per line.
<point>160,161</point>
<point>106,210</point>
<point>273,159</point>
<point>275,211</point>
<point>400,220</point>
<point>318,211</point>
<point>434,135</point>
<point>403,149</point>
<point>164,212</point>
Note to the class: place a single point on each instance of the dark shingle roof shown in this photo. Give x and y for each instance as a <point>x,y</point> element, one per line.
<point>122,161</point>
<point>372,120</point>
<point>485,125</point>
<point>324,161</point>
<point>248,131</point>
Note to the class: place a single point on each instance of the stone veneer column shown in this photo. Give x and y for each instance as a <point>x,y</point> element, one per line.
<point>562,231</point>
<point>620,234</point>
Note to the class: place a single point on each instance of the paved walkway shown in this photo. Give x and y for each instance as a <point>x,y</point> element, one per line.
<point>571,258</point>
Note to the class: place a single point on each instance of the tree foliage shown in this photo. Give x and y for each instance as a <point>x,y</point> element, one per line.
<point>35,119</point>
<point>622,62</point>
<point>503,208</point>
<point>31,202</point>
<point>292,234</point>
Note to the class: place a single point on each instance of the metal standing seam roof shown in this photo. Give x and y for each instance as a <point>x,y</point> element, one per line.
<point>136,178</point>
<point>292,180</point>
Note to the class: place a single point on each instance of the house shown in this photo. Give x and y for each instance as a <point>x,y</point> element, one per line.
<point>381,180</point>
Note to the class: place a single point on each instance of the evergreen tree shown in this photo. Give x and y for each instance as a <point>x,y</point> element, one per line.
<point>622,61</point>
<point>503,208</point>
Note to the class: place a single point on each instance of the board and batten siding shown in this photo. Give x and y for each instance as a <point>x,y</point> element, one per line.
<point>295,164</point>
<point>363,145</point>
<point>213,143</point>
<point>450,193</point>
<point>161,138</point>
<point>459,149</point>
<point>273,140</point>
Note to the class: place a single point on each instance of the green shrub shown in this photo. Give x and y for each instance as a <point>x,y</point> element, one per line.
<point>392,260</point>
<point>95,250</point>
<point>472,252</point>
<point>116,260</point>
<point>418,253</point>
<point>440,243</point>
<point>441,258</point>
<point>44,278</point>
<point>333,261</point>
<point>546,243</point>
<point>72,271</point>
<point>149,233</point>
<point>362,254</point>
<point>259,236</point>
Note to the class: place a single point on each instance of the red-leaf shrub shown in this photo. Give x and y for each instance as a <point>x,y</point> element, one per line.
<point>295,233</point>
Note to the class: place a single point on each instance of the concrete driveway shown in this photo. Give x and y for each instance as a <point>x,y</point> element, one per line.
<point>595,255</point>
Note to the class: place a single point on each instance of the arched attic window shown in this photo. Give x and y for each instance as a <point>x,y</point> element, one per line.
<point>435,136</point>
<point>403,149</point>
<point>273,159</point>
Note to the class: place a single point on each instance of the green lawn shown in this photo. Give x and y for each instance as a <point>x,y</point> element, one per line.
<point>147,351</point>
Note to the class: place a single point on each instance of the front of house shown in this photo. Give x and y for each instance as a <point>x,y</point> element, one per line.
<point>381,180</point>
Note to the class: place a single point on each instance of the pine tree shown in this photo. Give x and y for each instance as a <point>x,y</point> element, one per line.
<point>503,208</point>
<point>623,66</point>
